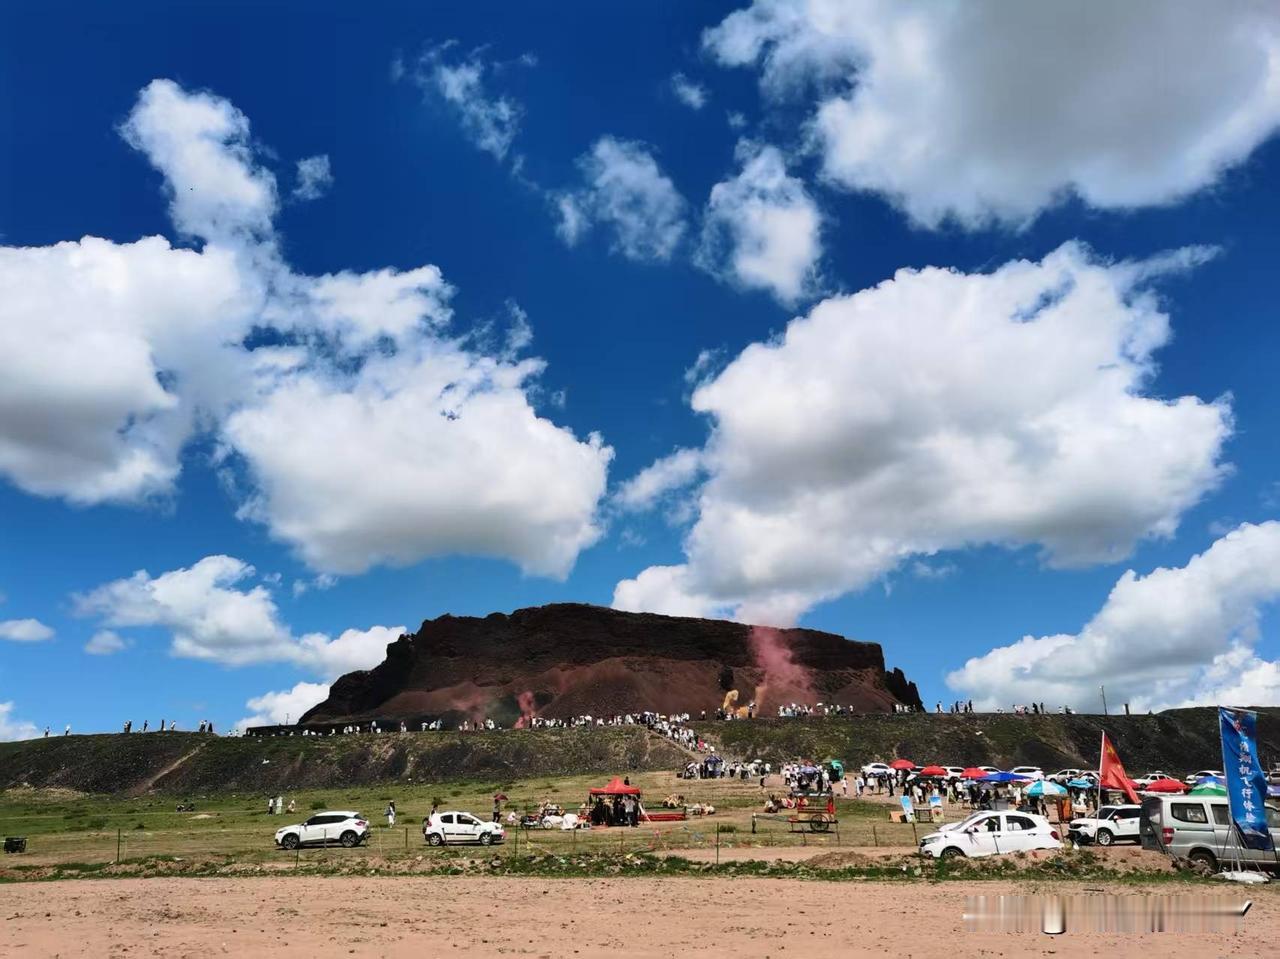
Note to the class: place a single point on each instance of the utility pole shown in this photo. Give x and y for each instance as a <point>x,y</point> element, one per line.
<point>1104,699</point>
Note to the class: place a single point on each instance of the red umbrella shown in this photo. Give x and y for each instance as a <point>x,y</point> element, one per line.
<point>973,772</point>
<point>902,764</point>
<point>1165,786</point>
<point>933,771</point>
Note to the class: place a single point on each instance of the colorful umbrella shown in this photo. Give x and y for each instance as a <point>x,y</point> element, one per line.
<point>1045,787</point>
<point>1003,778</point>
<point>973,772</point>
<point>902,764</point>
<point>933,771</point>
<point>1209,789</point>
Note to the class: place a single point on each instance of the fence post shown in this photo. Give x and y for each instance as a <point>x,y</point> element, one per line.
<point>406,838</point>
<point>875,839</point>
<point>118,835</point>
<point>717,844</point>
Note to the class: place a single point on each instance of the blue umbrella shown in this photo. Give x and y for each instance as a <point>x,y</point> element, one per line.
<point>1082,784</point>
<point>1274,791</point>
<point>1044,787</point>
<point>1002,778</point>
<point>1210,781</point>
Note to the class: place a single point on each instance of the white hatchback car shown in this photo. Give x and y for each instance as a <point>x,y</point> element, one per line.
<point>348,828</point>
<point>1112,824</point>
<point>461,827</point>
<point>876,769</point>
<point>992,834</point>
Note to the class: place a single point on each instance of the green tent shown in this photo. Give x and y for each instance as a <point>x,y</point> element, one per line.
<point>1208,789</point>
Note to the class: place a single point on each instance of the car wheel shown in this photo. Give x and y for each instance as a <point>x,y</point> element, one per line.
<point>435,840</point>
<point>951,852</point>
<point>1105,838</point>
<point>1202,857</point>
<point>290,841</point>
<point>486,838</point>
<point>349,839</point>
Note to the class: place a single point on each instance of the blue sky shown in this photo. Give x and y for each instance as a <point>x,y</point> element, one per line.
<point>930,465</point>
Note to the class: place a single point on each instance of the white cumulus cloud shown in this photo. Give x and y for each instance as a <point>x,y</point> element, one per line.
<point>986,110</point>
<point>689,92</point>
<point>114,356</point>
<point>626,192</point>
<point>213,614</point>
<point>762,229</point>
<point>106,642</point>
<point>1174,637</point>
<point>937,411</point>
<point>489,120</point>
<point>25,631</point>
<point>315,176</point>
<point>285,706</point>
<point>11,728</point>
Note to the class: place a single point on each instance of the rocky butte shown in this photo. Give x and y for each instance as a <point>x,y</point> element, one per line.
<point>571,659</point>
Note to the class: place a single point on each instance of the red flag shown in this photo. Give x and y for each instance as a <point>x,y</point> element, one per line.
<point>1111,771</point>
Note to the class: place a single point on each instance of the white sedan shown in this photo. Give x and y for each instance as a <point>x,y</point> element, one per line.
<point>876,769</point>
<point>992,834</point>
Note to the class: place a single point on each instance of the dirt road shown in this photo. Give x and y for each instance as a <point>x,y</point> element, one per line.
<point>465,917</point>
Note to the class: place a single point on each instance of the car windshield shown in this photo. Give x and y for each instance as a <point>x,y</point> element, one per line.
<point>1105,811</point>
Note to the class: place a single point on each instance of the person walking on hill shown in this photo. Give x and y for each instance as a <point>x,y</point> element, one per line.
<point>391,813</point>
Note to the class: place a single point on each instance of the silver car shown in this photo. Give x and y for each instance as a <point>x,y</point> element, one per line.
<point>1199,828</point>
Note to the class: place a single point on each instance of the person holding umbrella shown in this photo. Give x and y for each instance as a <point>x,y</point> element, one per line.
<point>498,799</point>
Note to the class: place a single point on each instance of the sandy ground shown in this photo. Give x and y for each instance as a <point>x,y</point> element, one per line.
<point>471,917</point>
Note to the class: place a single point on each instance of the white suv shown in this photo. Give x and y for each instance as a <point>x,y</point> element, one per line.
<point>1110,825</point>
<point>1201,774</point>
<point>461,827</point>
<point>348,828</point>
<point>992,834</point>
<point>1028,772</point>
<point>876,769</point>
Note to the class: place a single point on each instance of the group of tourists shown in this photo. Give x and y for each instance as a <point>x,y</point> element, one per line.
<point>204,727</point>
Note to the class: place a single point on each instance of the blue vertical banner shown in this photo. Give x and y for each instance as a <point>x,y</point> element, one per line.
<point>1246,783</point>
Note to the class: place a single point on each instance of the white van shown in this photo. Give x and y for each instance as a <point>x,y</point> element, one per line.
<point>1199,828</point>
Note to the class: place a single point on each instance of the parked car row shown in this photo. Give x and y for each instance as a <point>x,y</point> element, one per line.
<point>351,829</point>
<point>1062,776</point>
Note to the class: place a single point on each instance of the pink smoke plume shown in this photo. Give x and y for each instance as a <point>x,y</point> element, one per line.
<point>525,702</point>
<point>783,678</point>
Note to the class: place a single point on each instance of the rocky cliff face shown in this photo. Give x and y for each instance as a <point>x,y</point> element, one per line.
<point>569,659</point>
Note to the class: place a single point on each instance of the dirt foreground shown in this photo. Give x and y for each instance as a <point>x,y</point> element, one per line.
<point>639,918</point>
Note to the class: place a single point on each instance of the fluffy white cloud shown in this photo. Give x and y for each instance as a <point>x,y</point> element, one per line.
<point>353,649</point>
<point>489,121</point>
<point>11,729</point>
<point>108,354</point>
<point>200,142</point>
<point>985,110</point>
<point>440,453</point>
<point>626,191</point>
<point>285,706</point>
<point>1178,636</point>
<point>106,642</point>
<point>691,94</point>
<point>674,471</point>
<point>762,229</point>
<point>315,176</point>
<point>25,630</point>
<point>936,411</point>
<point>112,356</point>
<point>213,615</point>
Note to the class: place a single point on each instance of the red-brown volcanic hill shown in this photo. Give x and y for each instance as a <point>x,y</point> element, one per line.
<point>571,659</point>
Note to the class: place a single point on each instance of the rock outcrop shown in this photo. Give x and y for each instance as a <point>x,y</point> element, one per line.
<point>571,659</point>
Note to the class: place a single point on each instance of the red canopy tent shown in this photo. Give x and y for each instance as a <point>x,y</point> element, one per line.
<point>615,787</point>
